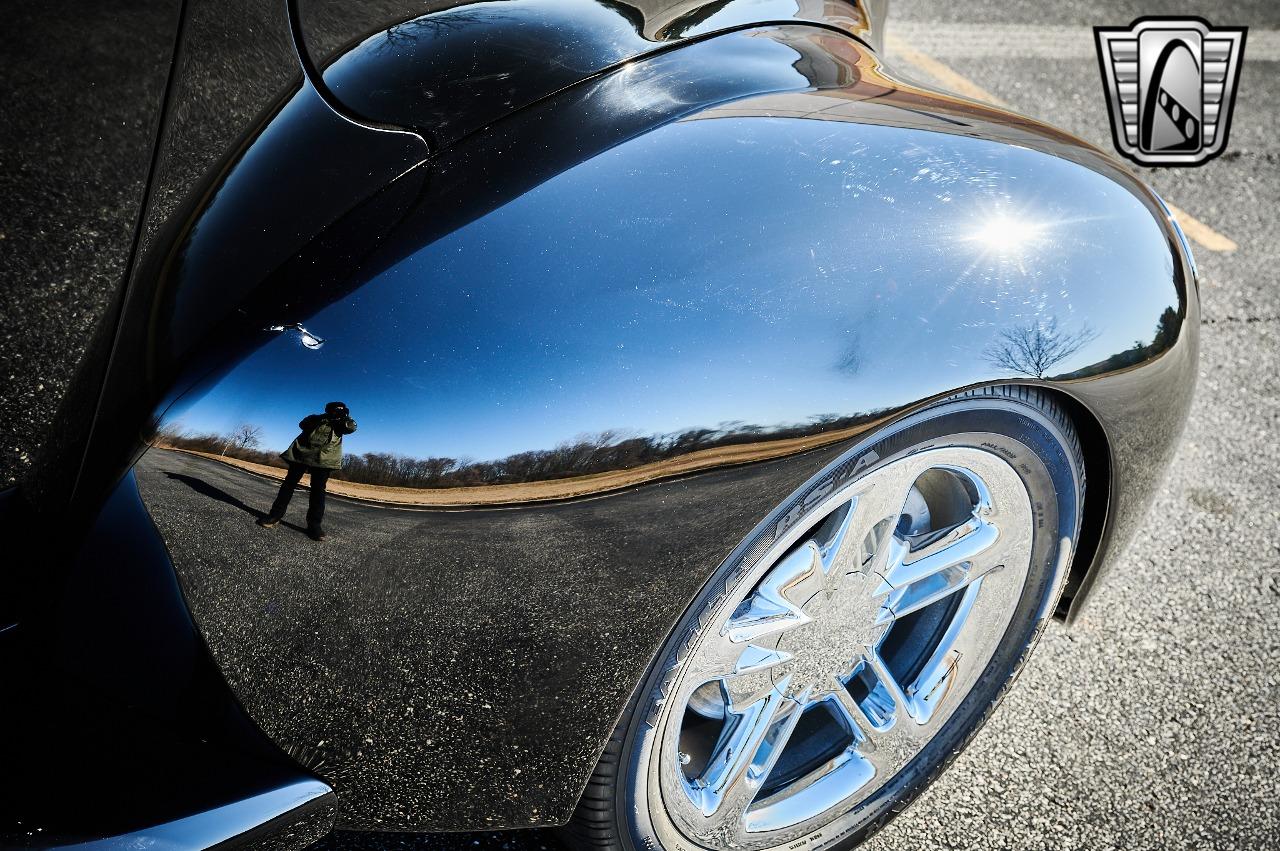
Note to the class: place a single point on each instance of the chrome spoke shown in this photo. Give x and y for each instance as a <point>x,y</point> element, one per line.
<point>949,564</point>
<point>887,559</point>
<point>839,552</point>
<point>890,749</point>
<point>943,584</point>
<point>856,720</point>
<point>743,762</point>
<point>900,702</point>
<point>960,546</point>
<point>939,674</point>
<point>752,680</point>
<point>716,660</point>
<point>872,509</point>
<point>884,747</point>
<point>770,609</point>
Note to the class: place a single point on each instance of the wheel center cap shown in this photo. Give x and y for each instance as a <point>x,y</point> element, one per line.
<point>825,650</point>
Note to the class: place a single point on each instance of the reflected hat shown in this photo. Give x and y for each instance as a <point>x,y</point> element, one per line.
<point>336,408</point>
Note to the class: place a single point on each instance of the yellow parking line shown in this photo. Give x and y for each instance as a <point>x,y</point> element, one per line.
<point>962,85</point>
<point>1200,232</point>
<point>948,78</point>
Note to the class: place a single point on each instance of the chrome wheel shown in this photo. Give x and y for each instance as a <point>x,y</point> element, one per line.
<point>844,652</point>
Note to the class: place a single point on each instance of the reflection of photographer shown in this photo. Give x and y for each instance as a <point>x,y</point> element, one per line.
<point>318,451</point>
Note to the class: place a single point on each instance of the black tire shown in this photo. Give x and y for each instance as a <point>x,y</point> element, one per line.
<point>1029,430</point>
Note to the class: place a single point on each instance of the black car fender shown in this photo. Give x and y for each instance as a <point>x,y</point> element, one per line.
<point>592,339</point>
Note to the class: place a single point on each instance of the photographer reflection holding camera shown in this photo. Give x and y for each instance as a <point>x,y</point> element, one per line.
<point>318,451</point>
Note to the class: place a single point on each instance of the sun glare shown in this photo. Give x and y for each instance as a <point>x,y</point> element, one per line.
<point>1006,235</point>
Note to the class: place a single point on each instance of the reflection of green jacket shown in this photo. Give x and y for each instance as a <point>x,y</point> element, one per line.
<point>320,444</point>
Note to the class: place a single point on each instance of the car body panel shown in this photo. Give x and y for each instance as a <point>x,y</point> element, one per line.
<point>102,662</point>
<point>233,65</point>
<point>85,94</point>
<point>635,317</point>
<point>116,675</point>
<point>455,67</point>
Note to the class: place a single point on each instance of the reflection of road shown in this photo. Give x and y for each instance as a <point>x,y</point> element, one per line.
<point>509,639</point>
<point>569,487</point>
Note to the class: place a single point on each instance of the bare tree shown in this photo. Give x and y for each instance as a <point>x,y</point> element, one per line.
<point>170,434</point>
<point>243,436</point>
<point>1035,349</point>
<point>431,28</point>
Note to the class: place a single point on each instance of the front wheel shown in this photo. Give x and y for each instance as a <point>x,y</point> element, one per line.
<point>854,643</point>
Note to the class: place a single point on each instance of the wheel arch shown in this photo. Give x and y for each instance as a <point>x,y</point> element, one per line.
<point>1095,447</point>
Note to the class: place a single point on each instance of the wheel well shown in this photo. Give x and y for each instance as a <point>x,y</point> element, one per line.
<point>1097,495</point>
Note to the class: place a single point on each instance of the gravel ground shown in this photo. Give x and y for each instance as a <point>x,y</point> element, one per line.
<point>72,170</point>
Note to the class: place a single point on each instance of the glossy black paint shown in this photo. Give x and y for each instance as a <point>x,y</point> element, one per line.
<point>118,729</point>
<point>331,27</point>
<point>264,210</point>
<point>647,308</point>
<point>778,236</point>
<point>116,723</point>
<point>232,64</point>
<point>453,70</point>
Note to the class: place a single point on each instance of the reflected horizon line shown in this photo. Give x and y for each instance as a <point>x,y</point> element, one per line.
<point>553,491</point>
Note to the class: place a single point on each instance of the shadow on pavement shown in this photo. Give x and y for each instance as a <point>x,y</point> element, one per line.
<point>203,488</point>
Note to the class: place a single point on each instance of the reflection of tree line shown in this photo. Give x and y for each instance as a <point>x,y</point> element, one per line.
<point>1166,335</point>
<point>604,452</point>
<point>1034,350</point>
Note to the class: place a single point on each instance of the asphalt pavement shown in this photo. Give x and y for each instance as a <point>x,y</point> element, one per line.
<point>1153,721</point>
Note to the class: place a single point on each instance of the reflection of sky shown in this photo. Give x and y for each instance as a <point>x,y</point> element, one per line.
<point>762,270</point>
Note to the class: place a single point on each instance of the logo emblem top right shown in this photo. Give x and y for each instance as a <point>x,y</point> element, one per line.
<point>1170,86</point>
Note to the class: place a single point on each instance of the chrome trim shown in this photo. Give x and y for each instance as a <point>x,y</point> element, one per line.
<point>270,810</point>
